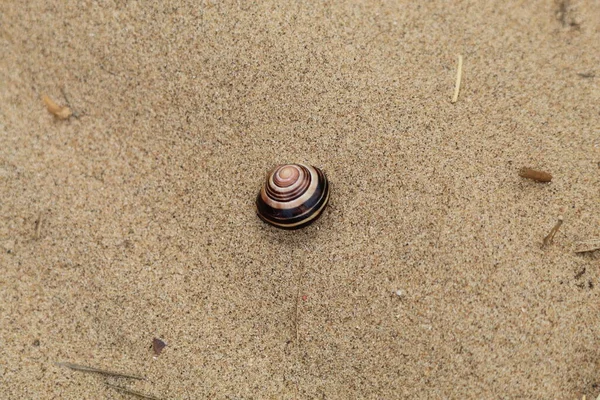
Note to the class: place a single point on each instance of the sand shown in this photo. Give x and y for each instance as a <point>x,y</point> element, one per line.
<point>134,218</point>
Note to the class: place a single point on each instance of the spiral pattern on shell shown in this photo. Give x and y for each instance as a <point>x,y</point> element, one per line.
<point>293,196</point>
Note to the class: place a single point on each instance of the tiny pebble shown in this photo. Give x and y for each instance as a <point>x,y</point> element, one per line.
<point>158,346</point>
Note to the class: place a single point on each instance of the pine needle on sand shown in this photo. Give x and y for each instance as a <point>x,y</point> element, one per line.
<point>458,79</point>
<point>132,392</point>
<point>84,368</point>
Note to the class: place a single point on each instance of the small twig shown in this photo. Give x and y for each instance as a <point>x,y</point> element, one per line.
<point>38,226</point>
<point>84,368</point>
<point>538,176</point>
<point>103,68</point>
<point>594,243</point>
<point>587,250</point>
<point>296,318</point>
<point>131,392</point>
<point>550,237</point>
<point>586,74</point>
<point>458,79</point>
<point>296,315</point>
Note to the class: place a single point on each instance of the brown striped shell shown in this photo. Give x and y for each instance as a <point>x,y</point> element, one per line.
<point>293,196</point>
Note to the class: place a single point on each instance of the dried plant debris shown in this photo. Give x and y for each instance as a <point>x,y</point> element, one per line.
<point>550,237</point>
<point>60,112</point>
<point>38,226</point>
<point>587,246</point>
<point>538,176</point>
<point>132,392</point>
<point>458,79</point>
<point>158,346</point>
<point>586,74</point>
<point>84,368</point>
<point>566,14</point>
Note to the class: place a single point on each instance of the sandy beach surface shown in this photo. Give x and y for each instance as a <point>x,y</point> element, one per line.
<point>425,278</point>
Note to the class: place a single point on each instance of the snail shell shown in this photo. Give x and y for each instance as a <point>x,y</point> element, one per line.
<point>293,196</point>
